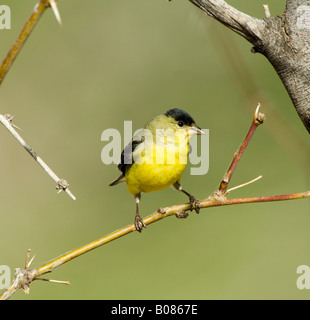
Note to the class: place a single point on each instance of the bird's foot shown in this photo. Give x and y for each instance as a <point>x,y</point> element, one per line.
<point>139,223</point>
<point>194,203</point>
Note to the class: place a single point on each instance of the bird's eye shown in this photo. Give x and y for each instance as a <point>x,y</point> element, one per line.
<point>180,123</point>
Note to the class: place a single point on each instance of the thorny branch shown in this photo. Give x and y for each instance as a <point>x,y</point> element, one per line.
<point>35,16</point>
<point>250,28</point>
<point>23,277</point>
<point>61,184</point>
<point>258,120</point>
<point>6,120</point>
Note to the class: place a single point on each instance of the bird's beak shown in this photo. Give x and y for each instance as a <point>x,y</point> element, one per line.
<point>194,129</point>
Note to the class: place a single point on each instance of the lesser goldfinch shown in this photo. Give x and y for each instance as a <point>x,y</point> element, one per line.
<point>157,156</point>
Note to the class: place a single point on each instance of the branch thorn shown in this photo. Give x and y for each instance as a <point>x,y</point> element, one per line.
<point>267,12</point>
<point>10,118</point>
<point>54,281</point>
<point>56,11</point>
<point>27,262</point>
<point>243,185</point>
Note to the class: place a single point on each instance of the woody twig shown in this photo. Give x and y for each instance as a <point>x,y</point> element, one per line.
<point>61,184</point>
<point>23,277</point>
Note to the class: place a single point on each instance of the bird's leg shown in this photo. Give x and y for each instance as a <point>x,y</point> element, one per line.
<point>194,203</point>
<point>139,223</point>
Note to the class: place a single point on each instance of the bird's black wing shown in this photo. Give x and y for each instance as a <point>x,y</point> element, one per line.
<point>127,159</point>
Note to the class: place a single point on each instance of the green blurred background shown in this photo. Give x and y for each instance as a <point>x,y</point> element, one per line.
<point>131,60</point>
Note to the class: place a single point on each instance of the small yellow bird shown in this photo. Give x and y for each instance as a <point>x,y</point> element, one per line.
<point>157,156</point>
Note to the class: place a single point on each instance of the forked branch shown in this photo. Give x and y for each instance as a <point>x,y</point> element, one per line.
<point>284,40</point>
<point>23,277</point>
<point>258,119</point>
<point>6,120</point>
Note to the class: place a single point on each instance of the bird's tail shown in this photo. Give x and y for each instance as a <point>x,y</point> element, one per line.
<point>120,179</point>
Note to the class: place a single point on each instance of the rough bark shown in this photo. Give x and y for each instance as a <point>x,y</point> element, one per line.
<point>284,40</point>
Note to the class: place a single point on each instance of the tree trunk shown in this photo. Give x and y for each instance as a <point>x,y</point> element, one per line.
<point>284,40</point>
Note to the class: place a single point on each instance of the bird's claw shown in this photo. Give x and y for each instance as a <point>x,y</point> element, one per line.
<point>194,203</point>
<point>139,223</point>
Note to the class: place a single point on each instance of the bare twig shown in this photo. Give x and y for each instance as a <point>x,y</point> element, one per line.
<point>6,120</point>
<point>282,130</point>
<point>24,277</point>
<point>61,184</point>
<point>35,16</point>
<point>31,22</point>
<point>258,120</point>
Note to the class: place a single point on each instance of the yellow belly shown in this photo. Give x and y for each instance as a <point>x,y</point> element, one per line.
<point>157,172</point>
<point>152,177</point>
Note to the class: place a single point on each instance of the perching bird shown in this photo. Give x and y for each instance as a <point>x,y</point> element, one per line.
<point>157,156</point>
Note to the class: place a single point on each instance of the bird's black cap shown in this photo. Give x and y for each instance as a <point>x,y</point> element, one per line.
<point>180,115</point>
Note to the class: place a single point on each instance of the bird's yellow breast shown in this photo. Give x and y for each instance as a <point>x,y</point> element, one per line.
<point>161,167</point>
